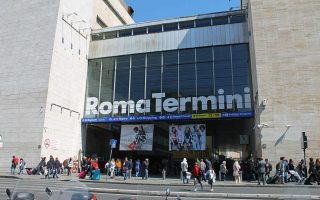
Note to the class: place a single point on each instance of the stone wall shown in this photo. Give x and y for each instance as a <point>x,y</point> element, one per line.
<point>286,44</point>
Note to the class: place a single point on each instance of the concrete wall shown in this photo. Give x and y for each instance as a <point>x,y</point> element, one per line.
<point>285,37</point>
<point>26,43</point>
<point>67,84</point>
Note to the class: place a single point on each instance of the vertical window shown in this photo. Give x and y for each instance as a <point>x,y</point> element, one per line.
<point>153,77</point>
<point>107,78</point>
<point>223,71</point>
<point>122,78</point>
<point>205,80</point>
<point>170,74</point>
<point>93,83</point>
<point>187,76</point>
<point>137,77</point>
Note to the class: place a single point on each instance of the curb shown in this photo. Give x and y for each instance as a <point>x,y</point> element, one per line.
<point>215,185</point>
<point>203,195</point>
<point>8,176</point>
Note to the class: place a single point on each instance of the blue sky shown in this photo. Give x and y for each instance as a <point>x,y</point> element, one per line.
<point>150,10</point>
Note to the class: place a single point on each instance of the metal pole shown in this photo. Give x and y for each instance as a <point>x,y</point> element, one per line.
<point>110,154</point>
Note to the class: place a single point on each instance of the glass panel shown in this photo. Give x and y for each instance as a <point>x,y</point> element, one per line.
<point>205,80</point>
<point>222,70</point>
<point>170,74</point>
<point>153,77</point>
<point>124,33</point>
<point>155,29</point>
<point>140,31</point>
<point>203,22</point>
<point>237,19</point>
<point>170,27</point>
<point>137,77</point>
<point>110,35</point>
<point>122,78</point>
<point>107,79</point>
<point>186,25</point>
<point>94,68</point>
<point>219,21</point>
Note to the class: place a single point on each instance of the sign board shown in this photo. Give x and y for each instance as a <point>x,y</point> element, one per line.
<point>304,141</point>
<point>113,143</point>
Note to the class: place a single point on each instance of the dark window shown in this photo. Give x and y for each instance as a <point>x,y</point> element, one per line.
<point>237,19</point>
<point>96,36</point>
<point>93,80</point>
<point>203,22</point>
<point>205,80</point>
<point>107,78</point>
<point>170,73</point>
<point>110,35</point>
<point>187,75</point>
<point>100,22</point>
<point>155,29</point>
<point>222,69</point>
<point>219,21</point>
<point>137,77</point>
<point>140,31</point>
<point>170,27</point>
<point>186,25</point>
<point>124,33</point>
<point>122,78</point>
<point>153,77</point>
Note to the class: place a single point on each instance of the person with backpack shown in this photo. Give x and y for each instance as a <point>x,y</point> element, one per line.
<point>211,177</point>
<point>197,176</point>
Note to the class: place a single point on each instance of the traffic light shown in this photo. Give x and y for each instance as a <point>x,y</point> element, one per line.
<point>304,141</point>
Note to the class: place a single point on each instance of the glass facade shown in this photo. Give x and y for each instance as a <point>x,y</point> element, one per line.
<point>222,72</point>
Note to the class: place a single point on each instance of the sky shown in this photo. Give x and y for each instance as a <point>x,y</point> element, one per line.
<point>151,10</point>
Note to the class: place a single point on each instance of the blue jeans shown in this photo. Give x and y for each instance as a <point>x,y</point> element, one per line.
<point>13,169</point>
<point>125,174</point>
<point>137,172</point>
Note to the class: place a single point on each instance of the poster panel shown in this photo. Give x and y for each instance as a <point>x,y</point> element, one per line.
<point>187,137</point>
<point>138,137</point>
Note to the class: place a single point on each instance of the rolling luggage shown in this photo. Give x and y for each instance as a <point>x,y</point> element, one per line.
<point>96,175</point>
<point>82,174</point>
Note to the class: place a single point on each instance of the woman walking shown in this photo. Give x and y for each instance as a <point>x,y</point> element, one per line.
<point>236,171</point>
<point>211,177</point>
<point>197,177</point>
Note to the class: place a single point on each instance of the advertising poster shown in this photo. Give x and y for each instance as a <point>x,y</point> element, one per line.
<point>137,137</point>
<point>187,137</point>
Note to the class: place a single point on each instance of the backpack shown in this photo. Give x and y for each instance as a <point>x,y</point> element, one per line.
<point>16,161</point>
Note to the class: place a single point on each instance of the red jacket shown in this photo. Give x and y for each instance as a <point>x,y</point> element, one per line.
<point>196,171</point>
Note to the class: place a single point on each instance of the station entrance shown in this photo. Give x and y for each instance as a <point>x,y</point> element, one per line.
<point>225,139</point>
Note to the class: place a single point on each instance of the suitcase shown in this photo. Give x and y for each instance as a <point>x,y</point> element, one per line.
<point>96,175</point>
<point>82,174</point>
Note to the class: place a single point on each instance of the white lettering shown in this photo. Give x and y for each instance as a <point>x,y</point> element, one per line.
<point>123,105</point>
<point>146,106</point>
<point>183,102</point>
<point>204,102</point>
<point>230,99</point>
<point>170,105</point>
<point>91,107</point>
<point>158,97</point>
<point>247,98</point>
<point>102,108</point>
<point>221,99</point>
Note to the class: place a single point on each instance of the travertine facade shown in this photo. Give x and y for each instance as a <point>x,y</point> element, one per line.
<point>43,64</point>
<point>285,49</point>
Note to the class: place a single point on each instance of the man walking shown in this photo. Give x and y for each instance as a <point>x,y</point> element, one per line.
<point>203,170</point>
<point>184,169</point>
<point>268,168</point>
<point>261,171</point>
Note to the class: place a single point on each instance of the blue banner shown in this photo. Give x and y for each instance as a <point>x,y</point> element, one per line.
<point>222,115</point>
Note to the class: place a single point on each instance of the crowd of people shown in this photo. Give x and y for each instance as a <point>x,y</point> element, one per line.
<point>50,168</point>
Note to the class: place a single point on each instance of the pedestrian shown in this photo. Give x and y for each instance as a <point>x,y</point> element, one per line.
<point>286,170</point>
<point>268,168</point>
<point>22,166</point>
<point>118,167</point>
<point>184,169</point>
<point>280,169</point>
<point>125,168</point>
<point>197,176</point>
<point>50,167</point>
<point>14,163</point>
<point>107,167</point>
<point>137,167</point>
<point>130,165</point>
<point>208,164</point>
<point>69,166</point>
<point>236,171</point>
<point>312,170</point>
<point>56,167</point>
<point>211,177</point>
<point>146,174</point>
<point>317,171</point>
<point>261,171</point>
<point>164,164</point>
<point>203,167</point>
<point>223,171</point>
